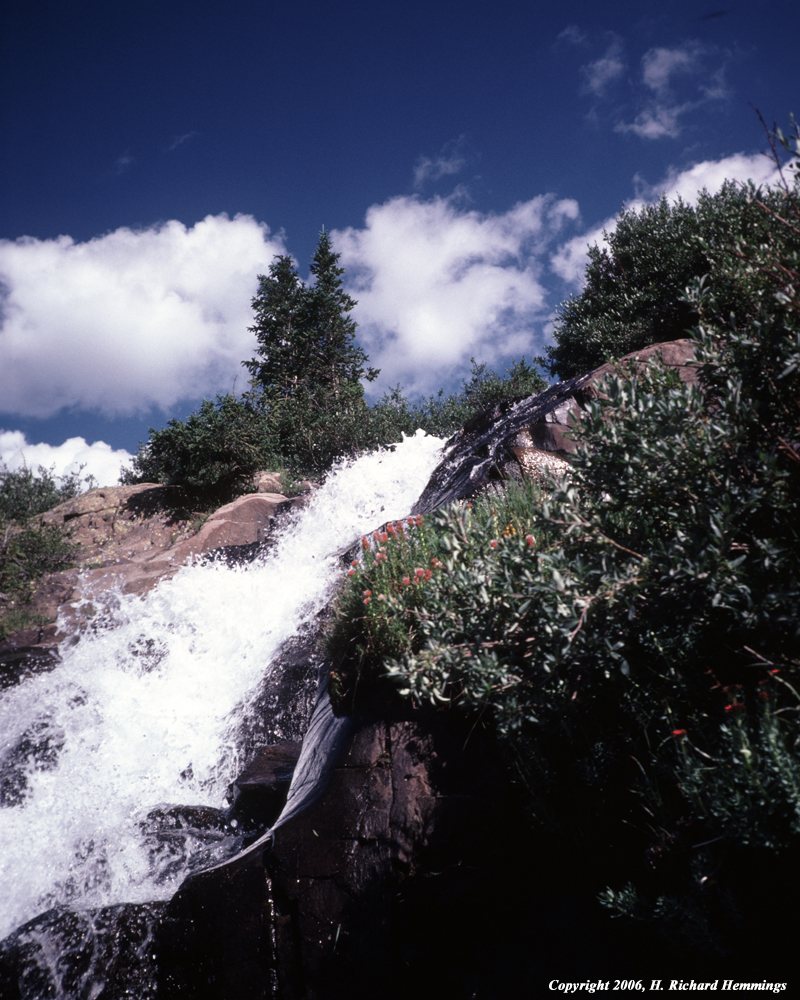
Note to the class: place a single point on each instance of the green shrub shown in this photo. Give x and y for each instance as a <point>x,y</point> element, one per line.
<point>23,493</point>
<point>212,454</point>
<point>634,291</point>
<point>27,550</point>
<point>639,657</point>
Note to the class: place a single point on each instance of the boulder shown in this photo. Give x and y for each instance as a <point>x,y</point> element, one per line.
<point>530,438</point>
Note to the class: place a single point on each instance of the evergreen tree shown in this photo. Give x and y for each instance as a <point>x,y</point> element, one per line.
<point>280,338</point>
<point>306,337</point>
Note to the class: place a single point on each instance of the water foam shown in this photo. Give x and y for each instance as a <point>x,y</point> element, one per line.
<point>142,711</point>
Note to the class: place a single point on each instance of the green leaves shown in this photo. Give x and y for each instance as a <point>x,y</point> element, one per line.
<point>634,293</point>
<point>640,662</point>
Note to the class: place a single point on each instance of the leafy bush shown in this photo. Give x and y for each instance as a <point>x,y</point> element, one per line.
<point>23,493</point>
<point>212,454</point>
<point>634,287</point>
<point>637,651</point>
<point>393,599</point>
<point>28,551</point>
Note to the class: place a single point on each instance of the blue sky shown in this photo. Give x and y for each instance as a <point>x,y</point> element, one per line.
<point>156,155</point>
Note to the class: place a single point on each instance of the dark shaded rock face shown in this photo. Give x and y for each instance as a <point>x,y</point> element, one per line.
<point>530,437</point>
<point>355,884</point>
<point>103,954</point>
<point>259,793</point>
<point>409,876</point>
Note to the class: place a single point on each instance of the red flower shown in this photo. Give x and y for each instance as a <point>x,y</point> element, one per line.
<point>493,543</point>
<point>735,706</point>
<point>406,581</point>
<point>678,732</point>
<point>529,541</point>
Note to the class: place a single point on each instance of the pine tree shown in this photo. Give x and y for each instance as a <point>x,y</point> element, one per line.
<point>306,337</point>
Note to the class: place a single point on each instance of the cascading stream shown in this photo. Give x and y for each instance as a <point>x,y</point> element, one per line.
<point>143,711</point>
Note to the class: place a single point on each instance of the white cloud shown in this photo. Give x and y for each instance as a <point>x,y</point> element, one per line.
<point>436,283</point>
<point>600,74</point>
<point>100,459</point>
<point>657,122</point>
<point>450,161</point>
<point>572,35</point>
<point>659,65</point>
<point>663,70</point>
<point>131,320</point>
<point>711,174</point>
<point>179,140</point>
<point>569,260</point>
<point>123,163</point>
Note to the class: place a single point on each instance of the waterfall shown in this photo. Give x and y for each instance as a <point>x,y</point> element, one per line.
<point>143,710</point>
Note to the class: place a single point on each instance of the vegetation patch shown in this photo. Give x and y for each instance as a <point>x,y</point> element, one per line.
<point>27,549</point>
<point>634,641</point>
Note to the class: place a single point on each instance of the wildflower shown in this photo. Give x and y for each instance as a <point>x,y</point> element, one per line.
<point>406,581</point>
<point>678,732</point>
<point>381,597</point>
<point>380,556</point>
<point>735,706</point>
<point>367,600</point>
<point>382,536</point>
<point>351,572</point>
<point>365,541</point>
<point>367,593</point>
<point>529,541</point>
<point>419,572</point>
<point>493,543</point>
<point>354,562</point>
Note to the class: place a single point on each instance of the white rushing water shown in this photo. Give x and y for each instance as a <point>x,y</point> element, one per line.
<point>143,713</point>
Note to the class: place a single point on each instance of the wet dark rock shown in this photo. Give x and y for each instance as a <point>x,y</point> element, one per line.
<point>259,793</point>
<point>104,954</point>
<point>184,839</point>
<point>26,654</point>
<point>37,749</point>
<point>216,940</point>
<point>530,437</point>
<point>361,888</point>
<point>281,708</point>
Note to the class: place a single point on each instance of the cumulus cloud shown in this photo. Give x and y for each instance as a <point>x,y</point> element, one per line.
<point>99,459</point>
<point>569,260</point>
<point>129,321</point>
<point>601,73</point>
<point>437,284</point>
<point>664,73</point>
